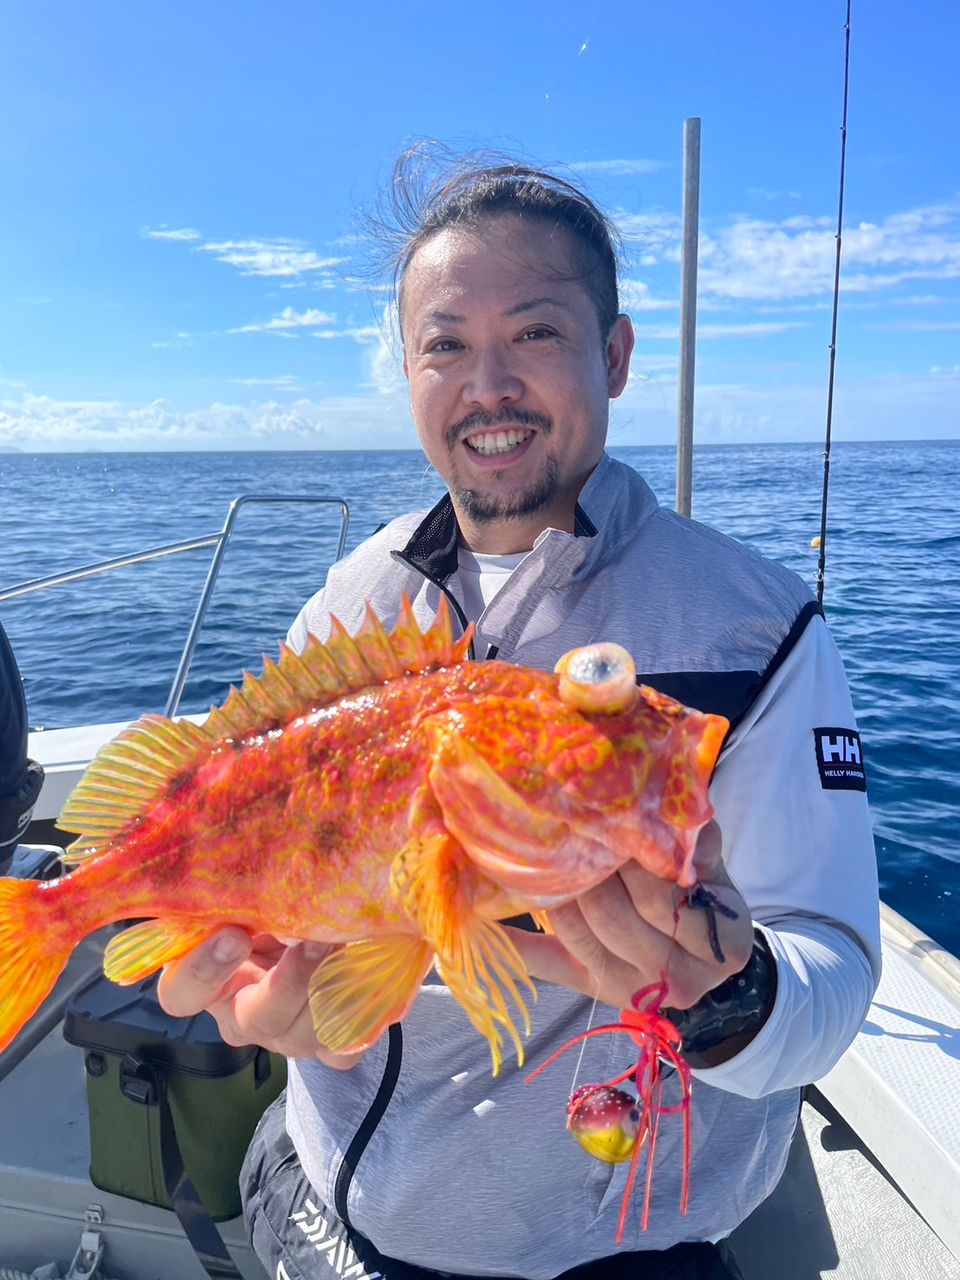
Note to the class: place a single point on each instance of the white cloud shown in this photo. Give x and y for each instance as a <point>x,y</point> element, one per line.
<point>757,329</point>
<point>368,420</point>
<point>182,340</point>
<point>386,360</point>
<point>916,326</point>
<point>656,233</point>
<point>643,367</point>
<point>169,233</point>
<point>288,319</point>
<point>625,167</point>
<point>765,193</point>
<point>635,296</point>
<point>268,257</point>
<point>790,260</point>
<point>285,382</point>
<point>760,260</point>
<point>357,284</point>
<point>884,407</point>
<point>279,256</point>
<point>364,333</point>
<point>350,238</point>
<point>753,329</point>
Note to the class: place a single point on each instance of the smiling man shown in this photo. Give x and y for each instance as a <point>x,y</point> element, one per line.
<point>410,1154</point>
<point>511,368</point>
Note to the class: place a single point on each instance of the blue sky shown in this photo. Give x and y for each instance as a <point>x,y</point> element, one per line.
<point>180,257</point>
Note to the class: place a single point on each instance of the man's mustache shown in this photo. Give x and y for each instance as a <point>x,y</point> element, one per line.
<point>506,418</point>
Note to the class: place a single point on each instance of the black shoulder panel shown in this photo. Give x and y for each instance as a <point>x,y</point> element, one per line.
<point>718,693</point>
<point>729,693</point>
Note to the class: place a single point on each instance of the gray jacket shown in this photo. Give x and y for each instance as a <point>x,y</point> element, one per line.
<point>468,1174</point>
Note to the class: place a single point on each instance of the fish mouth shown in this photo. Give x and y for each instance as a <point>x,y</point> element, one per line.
<point>490,442</point>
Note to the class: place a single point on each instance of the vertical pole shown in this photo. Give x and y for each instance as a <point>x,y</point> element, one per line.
<point>688,311</point>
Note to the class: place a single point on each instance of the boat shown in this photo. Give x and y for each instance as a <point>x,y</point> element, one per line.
<point>871,1187</point>
<point>872,1184</point>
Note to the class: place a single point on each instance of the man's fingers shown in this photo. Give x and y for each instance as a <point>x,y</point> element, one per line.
<point>192,983</point>
<point>608,978</point>
<point>610,914</point>
<point>709,849</point>
<point>277,1008</point>
<point>549,960</point>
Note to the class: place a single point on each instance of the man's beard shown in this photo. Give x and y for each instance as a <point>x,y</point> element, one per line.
<point>484,508</point>
<point>487,508</point>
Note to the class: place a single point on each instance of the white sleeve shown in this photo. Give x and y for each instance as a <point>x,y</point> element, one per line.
<point>801,852</point>
<point>306,623</point>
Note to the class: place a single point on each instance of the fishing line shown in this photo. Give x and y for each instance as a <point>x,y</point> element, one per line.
<point>583,1043</point>
<point>821,565</point>
<point>431,471</point>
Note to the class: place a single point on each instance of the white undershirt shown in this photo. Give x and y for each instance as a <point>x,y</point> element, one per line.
<point>481,577</point>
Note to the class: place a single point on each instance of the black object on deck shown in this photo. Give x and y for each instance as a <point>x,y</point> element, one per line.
<point>20,777</point>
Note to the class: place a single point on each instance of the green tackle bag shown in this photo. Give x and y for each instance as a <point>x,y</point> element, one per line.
<point>172,1106</point>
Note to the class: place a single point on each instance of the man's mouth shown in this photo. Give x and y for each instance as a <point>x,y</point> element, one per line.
<point>492,442</point>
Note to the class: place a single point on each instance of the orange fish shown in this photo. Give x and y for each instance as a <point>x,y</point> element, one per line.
<point>380,792</point>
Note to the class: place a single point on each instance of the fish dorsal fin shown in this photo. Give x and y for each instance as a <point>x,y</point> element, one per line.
<point>323,672</point>
<point>126,775</point>
<point>146,758</point>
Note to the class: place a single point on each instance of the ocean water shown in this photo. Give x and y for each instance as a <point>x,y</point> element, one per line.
<point>107,648</point>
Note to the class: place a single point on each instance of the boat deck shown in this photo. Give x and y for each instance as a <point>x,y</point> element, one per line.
<point>834,1214</point>
<point>870,1192</point>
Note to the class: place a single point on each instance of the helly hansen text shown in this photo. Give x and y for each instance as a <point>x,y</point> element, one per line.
<point>840,759</point>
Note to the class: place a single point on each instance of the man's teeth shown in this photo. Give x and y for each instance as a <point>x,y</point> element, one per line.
<point>498,441</point>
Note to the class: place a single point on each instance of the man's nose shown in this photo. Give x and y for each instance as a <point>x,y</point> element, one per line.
<point>492,379</point>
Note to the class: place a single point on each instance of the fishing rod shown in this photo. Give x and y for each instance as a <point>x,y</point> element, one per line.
<point>821,565</point>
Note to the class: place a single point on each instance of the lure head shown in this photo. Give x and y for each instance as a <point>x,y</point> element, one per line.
<point>605,1121</point>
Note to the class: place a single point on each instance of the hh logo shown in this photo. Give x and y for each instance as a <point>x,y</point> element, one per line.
<point>840,759</point>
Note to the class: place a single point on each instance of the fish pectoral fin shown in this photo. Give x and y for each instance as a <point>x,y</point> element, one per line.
<point>357,992</point>
<point>431,878</point>
<point>435,882</point>
<point>483,960</point>
<point>146,947</point>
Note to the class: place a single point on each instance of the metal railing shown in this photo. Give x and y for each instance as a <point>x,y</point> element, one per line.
<point>218,540</point>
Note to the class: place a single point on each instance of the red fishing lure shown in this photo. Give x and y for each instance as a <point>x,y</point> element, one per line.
<point>610,1124</point>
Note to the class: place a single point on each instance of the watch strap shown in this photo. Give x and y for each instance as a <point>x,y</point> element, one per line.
<point>740,1004</point>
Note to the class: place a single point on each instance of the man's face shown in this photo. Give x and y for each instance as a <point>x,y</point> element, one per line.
<point>510,380</point>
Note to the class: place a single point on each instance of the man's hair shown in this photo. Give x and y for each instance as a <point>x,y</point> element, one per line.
<point>432,189</point>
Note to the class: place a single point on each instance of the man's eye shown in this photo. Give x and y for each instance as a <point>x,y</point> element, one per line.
<point>538,331</point>
<point>443,345</point>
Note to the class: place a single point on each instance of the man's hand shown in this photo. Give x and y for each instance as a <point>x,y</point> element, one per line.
<point>627,933</point>
<point>256,989</point>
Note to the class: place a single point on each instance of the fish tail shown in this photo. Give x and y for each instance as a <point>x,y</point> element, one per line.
<point>32,956</point>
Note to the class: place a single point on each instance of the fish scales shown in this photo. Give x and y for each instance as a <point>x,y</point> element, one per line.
<point>380,792</point>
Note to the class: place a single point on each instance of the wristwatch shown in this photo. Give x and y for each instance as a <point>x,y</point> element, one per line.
<point>737,1009</point>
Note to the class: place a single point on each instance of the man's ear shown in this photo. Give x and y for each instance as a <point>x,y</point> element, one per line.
<point>619,349</point>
